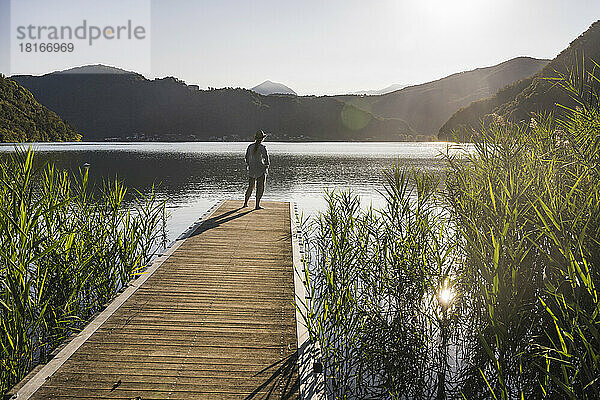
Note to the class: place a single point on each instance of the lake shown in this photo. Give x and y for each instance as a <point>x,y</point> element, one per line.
<point>193,176</point>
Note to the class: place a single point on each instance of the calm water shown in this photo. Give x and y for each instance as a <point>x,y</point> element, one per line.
<point>193,176</point>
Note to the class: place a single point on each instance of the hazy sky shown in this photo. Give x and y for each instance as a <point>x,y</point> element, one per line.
<point>338,46</point>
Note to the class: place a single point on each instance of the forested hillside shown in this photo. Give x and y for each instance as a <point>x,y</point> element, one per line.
<point>536,94</point>
<point>427,106</point>
<point>127,106</point>
<point>23,119</point>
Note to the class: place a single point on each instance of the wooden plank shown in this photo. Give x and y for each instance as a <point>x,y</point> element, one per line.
<point>216,320</point>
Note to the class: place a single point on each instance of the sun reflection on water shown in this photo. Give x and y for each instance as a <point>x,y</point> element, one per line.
<point>446,294</point>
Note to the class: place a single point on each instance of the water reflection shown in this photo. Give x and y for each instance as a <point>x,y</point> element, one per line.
<point>192,176</point>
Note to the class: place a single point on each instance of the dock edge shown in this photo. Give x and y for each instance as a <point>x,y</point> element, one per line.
<point>312,384</point>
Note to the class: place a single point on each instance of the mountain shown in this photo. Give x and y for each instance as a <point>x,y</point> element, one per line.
<point>267,87</point>
<point>108,103</point>
<point>94,69</point>
<point>427,106</point>
<point>23,119</point>
<point>389,89</point>
<point>128,106</point>
<point>534,94</point>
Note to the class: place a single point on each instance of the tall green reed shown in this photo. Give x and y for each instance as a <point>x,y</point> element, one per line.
<point>527,207</point>
<point>66,249</point>
<point>514,230</point>
<point>375,277</point>
<point>569,217</point>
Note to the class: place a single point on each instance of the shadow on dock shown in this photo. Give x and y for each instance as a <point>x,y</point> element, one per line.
<point>284,376</point>
<point>220,219</point>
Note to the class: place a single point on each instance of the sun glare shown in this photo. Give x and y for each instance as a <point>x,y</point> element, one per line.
<point>445,295</point>
<point>449,13</point>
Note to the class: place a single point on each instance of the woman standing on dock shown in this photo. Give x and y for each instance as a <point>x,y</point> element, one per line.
<point>257,161</point>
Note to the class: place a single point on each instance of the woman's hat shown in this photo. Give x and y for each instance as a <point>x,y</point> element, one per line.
<point>259,134</point>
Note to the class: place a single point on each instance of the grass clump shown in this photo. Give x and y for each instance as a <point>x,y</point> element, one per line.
<point>65,250</point>
<point>485,287</point>
<point>375,280</point>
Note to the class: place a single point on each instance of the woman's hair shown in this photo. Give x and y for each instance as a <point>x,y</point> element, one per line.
<point>256,144</point>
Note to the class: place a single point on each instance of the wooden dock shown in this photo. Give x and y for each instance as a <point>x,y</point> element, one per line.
<point>213,318</point>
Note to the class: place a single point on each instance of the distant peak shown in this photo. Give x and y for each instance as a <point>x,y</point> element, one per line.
<point>388,89</point>
<point>269,87</point>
